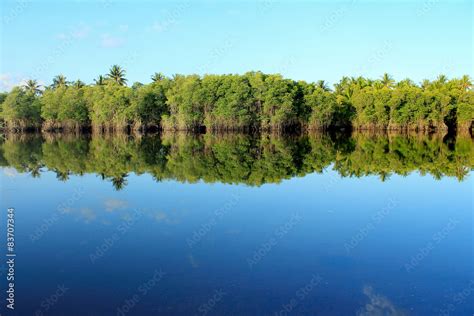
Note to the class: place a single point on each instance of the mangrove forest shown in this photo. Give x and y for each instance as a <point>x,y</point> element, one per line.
<point>253,101</point>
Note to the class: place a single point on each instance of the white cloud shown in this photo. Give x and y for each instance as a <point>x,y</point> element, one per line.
<point>7,81</point>
<point>113,204</point>
<point>123,28</point>
<point>109,41</point>
<point>88,214</point>
<point>79,32</point>
<point>10,172</point>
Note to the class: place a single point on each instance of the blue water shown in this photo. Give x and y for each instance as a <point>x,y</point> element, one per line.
<point>318,244</point>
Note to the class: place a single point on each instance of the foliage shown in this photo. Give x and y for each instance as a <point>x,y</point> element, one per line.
<point>64,107</point>
<point>238,158</point>
<point>110,106</point>
<point>21,109</point>
<point>252,101</point>
<point>117,75</point>
<point>149,104</point>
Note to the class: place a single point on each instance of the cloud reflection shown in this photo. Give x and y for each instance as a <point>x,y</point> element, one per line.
<point>379,305</point>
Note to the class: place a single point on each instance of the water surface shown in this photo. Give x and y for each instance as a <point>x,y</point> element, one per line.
<point>240,225</point>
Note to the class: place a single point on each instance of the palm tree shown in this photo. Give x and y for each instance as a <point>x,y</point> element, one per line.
<point>35,171</point>
<point>387,80</point>
<point>425,84</point>
<point>465,82</point>
<point>59,81</point>
<point>384,175</point>
<point>32,86</point>
<point>157,76</point>
<point>442,79</point>
<point>117,74</point>
<point>406,83</point>
<point>342,84</point>
<point>100,81</point>
<point>62,175</point>
<point>359,82</point>
<point>79,84</point>
<point>119,182</point>
<point>322,84</point>
<point>378,84</point>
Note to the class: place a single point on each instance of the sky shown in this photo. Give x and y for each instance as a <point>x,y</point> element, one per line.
<point>308,40</point>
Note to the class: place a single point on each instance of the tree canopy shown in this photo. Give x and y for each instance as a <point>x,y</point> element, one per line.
<point>252,101</point>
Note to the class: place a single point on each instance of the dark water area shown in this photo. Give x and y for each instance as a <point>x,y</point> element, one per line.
<point>235,224</point>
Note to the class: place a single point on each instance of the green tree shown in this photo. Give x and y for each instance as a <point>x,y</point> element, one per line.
<point>32,86</point>
<point>323,107</point>
<point>21,109</point>
<point>277,109</point>
<point>78,84</point>
<point>117,75</point>
<point>59,81</point>
<point>100,80</point>
<point>110,107</point>
<point>149,104</point>
<point>387,80</point>
<point>157,76</point>
<point>185,107</point>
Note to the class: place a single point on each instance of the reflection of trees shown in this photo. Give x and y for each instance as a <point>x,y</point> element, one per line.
<point>119,182</point>
<point>21,152</point>
<point>237,158</point>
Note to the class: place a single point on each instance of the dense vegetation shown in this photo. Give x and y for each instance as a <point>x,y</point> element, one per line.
<point>253,101</point>
<point>236,158</point>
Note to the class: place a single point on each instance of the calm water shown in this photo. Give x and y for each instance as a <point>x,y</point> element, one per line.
<point>240,225</point>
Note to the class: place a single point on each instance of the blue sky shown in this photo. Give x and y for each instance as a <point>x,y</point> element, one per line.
<point>302,40</point>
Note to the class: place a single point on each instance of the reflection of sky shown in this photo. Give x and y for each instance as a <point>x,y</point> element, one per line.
<point>333,210</point>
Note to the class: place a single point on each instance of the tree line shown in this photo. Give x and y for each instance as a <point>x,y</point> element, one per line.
<point>252,159</point>
<point>249,102</point>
